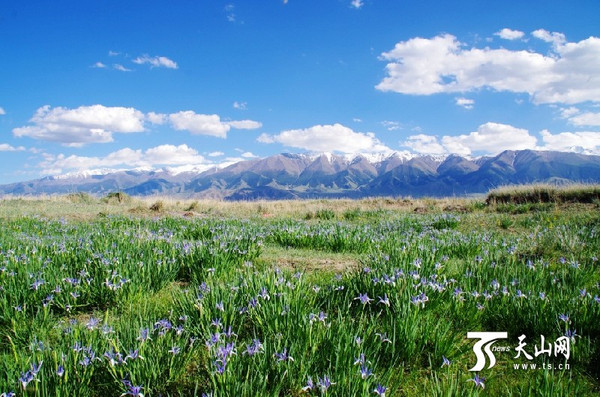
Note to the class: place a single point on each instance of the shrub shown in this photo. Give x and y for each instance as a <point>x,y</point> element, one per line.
<point>325,214</point>
<point>117,198</point>
<point>158,206</point>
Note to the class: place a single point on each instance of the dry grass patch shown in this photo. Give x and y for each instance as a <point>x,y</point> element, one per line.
<point>309,260</point>
<point>579,193</point>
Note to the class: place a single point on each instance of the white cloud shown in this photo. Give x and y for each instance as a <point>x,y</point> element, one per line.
<point>244,124</point>
<point>391,125</point>
<point>156,61</point>
<point>163,155</point>
<point>156,118</point>
<point>490,138</point>
<point>357,3</point>
<point>554,37</point>
<point>248,155</point>
<point>173,155</point>
<point>509,34</point>
<point>265,138</point>
<point>568,112</point>
<point>465,103</point>
<point>97,123</point>
<point>328,138</point>
<point>571,74</point>
<point>85,124</point>
<point>580,142</point>
<point>239,105</point>
<point>587,119</point>
<point>201,124</point>
<point>99,65</point>
<point>215,154</point>
<point>121,68</point>
<point>5,147</point>
<point>425,144</point>
<point>2,111</point>
<point>113,53</point>
<point>208,124</point>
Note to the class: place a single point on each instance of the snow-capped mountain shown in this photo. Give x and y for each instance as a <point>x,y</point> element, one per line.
<point>286,176</point>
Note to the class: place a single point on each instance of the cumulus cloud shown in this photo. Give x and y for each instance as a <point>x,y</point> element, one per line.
<point>215,154</point>
<point>156,118</point>
<point>571,74</point>
<point>328,138</point>
<point>424,144</point>
<point>208,124</point>
<point>580,142</point>
<point>509,34</point>
<point>248,155</point>
<point>554,37</point>
<point>163,155</point>
<point>587,119</point>
<point>98,123</point>
<point>465,103</point>
<point>85,124</point>
<point>99,65</point>
<point>2,111</point>
<point>156,61</point>
<point>5,147</point>
<point>490,138</point>
<point>568,112</point>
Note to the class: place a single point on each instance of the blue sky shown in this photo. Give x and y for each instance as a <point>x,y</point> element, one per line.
<point>180,84</point>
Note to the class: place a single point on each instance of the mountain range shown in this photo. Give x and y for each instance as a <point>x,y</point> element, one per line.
<point>291,176</point>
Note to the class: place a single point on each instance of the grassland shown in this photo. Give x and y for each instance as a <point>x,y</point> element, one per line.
<point>121,296</point>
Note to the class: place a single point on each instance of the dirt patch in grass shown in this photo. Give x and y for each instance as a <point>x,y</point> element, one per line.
<point>309,260</point>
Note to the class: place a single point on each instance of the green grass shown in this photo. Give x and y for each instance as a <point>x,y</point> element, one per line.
<point>205,304</point>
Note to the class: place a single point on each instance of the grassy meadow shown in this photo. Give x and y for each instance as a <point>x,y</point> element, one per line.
<point>119,296</point>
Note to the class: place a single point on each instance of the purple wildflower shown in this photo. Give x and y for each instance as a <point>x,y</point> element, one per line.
<point>385,300</point>
<point>380,390</point>
<point>25,378</point>
<point>254,348</point>
<point>309,385</point>
<point>324,384</point>
<point>364,298</point>
<point>445,362</point>
<point>478,381</point>
<point>283,356</point>
<point>134,354</point>
<point>384,338</point>
<point>360,359</point>
<point>144,335</point>
<point>365,372</point>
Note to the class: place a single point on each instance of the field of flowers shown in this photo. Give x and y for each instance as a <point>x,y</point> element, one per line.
<point>192,305</point>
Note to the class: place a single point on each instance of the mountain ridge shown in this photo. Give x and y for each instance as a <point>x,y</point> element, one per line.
<point>326,175</point>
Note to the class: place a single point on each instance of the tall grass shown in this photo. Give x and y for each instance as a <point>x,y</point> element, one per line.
<point>189,306</point>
